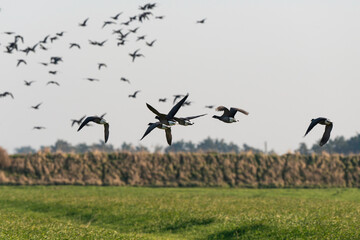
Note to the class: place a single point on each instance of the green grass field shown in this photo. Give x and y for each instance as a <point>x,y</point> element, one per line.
<point>76,212</point>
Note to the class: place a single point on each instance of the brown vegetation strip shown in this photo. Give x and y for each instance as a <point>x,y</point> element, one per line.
<point>181,169</point>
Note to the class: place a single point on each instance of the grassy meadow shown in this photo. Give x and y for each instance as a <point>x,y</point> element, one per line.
<point>93,212</point>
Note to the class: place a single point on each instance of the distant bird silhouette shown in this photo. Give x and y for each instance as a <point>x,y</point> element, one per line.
<point>17,37</point>
<point>53,39</point>
<point>74,45</point>
<point>116,16</point>
<point>97,120</point>
<point>52,82</point>
<point>92,79</point>
<point>229,115</point>
<point>100,44</point>
<point>108,23</point>
<point>210,106</point>
<point>176,97</point>
<point>4,94</point>
<point>141,38</point>
<point>160,17</point>
<point>328,127</point>
<point>101,65</point>
<point>202,21</point>
<point>38,127</point>
<point>134,94</point>
<point>44,64</point>
<point>45,39</point>
<point>36,107</point>
<point>55,60</point>
<point>143,16</point>
<point>185,121</point>
<point>135,55</point>
<point>187,103</point>
<point>162,99</point>
<point>9,33</point>
<point>78,122</point>
<point>151,43</point>
<point>43,47</point>
<point>60,34</point>
<point>28,83</point>
<point>125,80</point>
<point>133,30</point>
<point>53,72</point>
<point>126,23</point>
<point>83,24</point>
<point>20,61</point>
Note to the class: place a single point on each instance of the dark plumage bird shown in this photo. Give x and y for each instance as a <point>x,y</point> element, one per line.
<point>43,63</point>
<point>167,129</point>
<point>4,94</point>
<point>150,44</point>
<point>162,99</point>
<point>36,107</point>
<point>53,39</point>
<point>92,79</point>
<point>159,17</point>
<point>133,30</point>
<point>167,119</point>
<point>229,115</point>
<point>134,94</point>
<point>202,21</point>
<point>135,55</point>
<point>78,122</point>
<point>328,127</point>
<point>141,38</point>
<point>20,61</point>
<point>125,80</point>
<point>55,60</point>
<point>52,82</point>
<point>186,120</point>
<point>209,106</point>
<point>176,97</point>
<point>28,83</point>
<point>45,39</point>
<point>97,120</point>
<point>100,65</point>
<point>83,24</point>
<point>74,45</point>
<point>17,37</point>
<point>53,72</point>
<point>116,16</point>
<point>60,34</point>
<point>38,127</point>
<point>108,23</point>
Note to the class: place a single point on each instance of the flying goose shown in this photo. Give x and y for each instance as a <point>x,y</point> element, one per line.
<point>228,116</point>
<point>186,120</point>
<point>97,120</point>
<point>167,129</point>
<point>328,127</point>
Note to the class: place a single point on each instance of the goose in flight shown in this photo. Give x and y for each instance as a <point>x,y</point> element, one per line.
<point>98,120</point>
<point>167,129</point>
<point>186,120</point>
<point>229,115</point>
<point>328,127</point>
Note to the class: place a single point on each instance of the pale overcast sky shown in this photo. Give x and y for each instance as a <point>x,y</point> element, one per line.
<point>285,62</point>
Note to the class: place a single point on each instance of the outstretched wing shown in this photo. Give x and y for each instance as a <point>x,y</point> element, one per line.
<point>234,110</point>
<point>326,134</point>
<point>192,117</point>
<point>150,128</point>
<point>168,135</point>
<point>156,112</point>
<point>176,108</point>
<point>313,124</point>
<point>106,131</point>
<point>86,121</point>
<point>222,108</point>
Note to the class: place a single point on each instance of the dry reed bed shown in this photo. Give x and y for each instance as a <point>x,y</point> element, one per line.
<point>181,169</point>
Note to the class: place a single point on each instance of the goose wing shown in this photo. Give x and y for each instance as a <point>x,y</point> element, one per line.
<point>222,108</point>
<point>233,111</point>
<point>106,131</point>
<point>156,112</point>
<point>326,134</point>
<point>176,108</point>
<point>87,120</point>
<point>168,135</point>
<point>150,128</point>
<point>313,124</point>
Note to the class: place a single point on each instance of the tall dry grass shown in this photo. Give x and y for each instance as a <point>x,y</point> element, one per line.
<point>181,169</point>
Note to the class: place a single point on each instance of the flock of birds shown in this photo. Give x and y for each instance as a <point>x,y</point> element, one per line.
<point>164,121</point>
